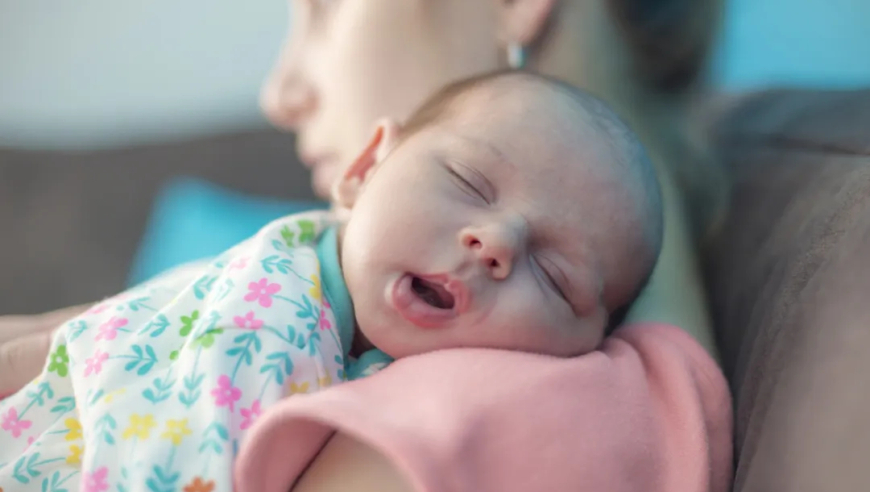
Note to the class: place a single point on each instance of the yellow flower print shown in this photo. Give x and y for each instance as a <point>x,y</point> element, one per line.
<point>73,429</point>
<point>175,431</point>
<point>75,455</point>
<point>139,426</point>
<point>298,388</point>
<point>111,396</point>
<point>325,381</point>
<point>315,291</point>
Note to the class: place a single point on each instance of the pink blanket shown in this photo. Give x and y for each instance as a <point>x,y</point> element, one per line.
<point>649,411</point>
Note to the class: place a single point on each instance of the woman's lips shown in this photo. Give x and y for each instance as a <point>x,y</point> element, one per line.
<point>415,309</point>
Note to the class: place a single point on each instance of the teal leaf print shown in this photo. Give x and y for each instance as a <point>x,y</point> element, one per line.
<point>225,289</point>
<point>95,397</point>
<point>156,326</point>
<point>287,235</point>
<point>25,468</point>
<point>104,427</point>
<point>76,328</point>
<point>244,351</point>
<point>312,347</point>
<point>212,437</point>
<point>192,393</point>
<point>279,246</point>
<point>162,481</point>
<point>161,391</point>
<point>306,228</point>
<point>276,369</point>
<point>306,311</point>
<point>145,360</point>
<point>53,484</point>
<point>203,286</point>
<point>187,323</point>
<point>64,405</point>
<point>219,429</point>
<point>340,373</point>
<point>213,317</point>
<point>44,392</point>
<point>139,303</point>
<point>272,263</point>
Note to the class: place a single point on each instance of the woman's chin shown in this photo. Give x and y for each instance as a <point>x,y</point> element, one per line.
<point>322,178</point>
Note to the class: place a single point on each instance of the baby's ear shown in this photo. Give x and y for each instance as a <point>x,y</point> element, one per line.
<point>347,189</point>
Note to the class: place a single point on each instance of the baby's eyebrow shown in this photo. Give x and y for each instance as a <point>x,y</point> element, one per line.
<point>494,154</point>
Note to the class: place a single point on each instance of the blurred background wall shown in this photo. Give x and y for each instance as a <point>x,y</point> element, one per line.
<point>90,73</point>
<point>86,73</point>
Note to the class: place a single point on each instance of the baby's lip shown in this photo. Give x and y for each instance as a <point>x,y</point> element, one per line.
<point>454,286</point>
<point>413,308</point>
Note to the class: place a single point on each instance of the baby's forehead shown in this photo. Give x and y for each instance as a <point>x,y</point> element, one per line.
<point>540,130</point>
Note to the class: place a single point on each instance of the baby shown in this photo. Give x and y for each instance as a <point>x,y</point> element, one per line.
<point>510,212</point>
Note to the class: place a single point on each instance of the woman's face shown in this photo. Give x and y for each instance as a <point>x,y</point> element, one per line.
<point>347,63</point>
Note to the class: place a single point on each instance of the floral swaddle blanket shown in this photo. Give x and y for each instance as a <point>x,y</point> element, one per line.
<point>153,389</point>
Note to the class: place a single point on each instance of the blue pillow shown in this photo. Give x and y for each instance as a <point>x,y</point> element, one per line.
<point>193,219</point>
<point>808,43</point>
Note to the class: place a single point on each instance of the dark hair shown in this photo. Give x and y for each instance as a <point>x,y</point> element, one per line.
<point>670,39</point>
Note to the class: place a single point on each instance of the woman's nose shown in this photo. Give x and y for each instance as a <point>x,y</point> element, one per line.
<point>495,247</point>
<point>287,99</point>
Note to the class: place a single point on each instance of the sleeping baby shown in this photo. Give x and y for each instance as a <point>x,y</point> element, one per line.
<point>510,212</point>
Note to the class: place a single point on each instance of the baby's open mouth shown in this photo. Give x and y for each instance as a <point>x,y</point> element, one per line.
<point>432,293</point>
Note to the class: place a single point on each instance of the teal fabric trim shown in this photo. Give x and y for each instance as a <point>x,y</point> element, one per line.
<point>334,287</point>
<point>368,363</point>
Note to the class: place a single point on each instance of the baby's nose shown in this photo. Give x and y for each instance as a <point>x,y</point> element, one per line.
<point>495,247</point>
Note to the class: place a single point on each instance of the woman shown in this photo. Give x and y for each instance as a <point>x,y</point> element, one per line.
<point>347,63</point>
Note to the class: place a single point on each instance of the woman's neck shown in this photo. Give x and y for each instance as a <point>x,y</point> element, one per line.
<point>586,49</point>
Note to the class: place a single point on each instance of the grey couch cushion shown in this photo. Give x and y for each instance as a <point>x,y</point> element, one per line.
<point>70,222</point>
<point>789,280</point>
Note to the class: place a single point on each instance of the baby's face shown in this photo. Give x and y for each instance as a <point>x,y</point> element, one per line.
<point>472,234</point>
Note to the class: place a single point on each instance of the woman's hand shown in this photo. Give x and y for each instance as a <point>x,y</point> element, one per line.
<point>347,464</point>
<point>24,344</point>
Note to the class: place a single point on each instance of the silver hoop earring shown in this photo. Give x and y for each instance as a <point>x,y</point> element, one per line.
<point>516,55</point>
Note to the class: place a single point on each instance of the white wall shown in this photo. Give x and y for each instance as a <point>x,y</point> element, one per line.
<point>81,73</point>
<point>99,72</point>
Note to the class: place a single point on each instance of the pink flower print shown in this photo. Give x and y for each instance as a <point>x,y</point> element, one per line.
<point>324,322</point>
<point>109,329</point>
<point>12,424</point>
<point>239,264</point>
<point>262,291</point>
<point>248,321</point>
<point>95,363</point>
<point>225,394</point>
<point>95,481</point>
<point>250,414</point>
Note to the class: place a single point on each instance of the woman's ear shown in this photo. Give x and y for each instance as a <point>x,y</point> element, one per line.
<point>347,189</point>
<point>523,21</point>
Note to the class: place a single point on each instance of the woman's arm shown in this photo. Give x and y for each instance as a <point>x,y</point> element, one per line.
<point>24,344</point>
<point>675,294</point>
<point>344,461</point>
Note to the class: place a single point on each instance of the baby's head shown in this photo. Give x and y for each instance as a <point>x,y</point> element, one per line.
<point>511,212</point>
